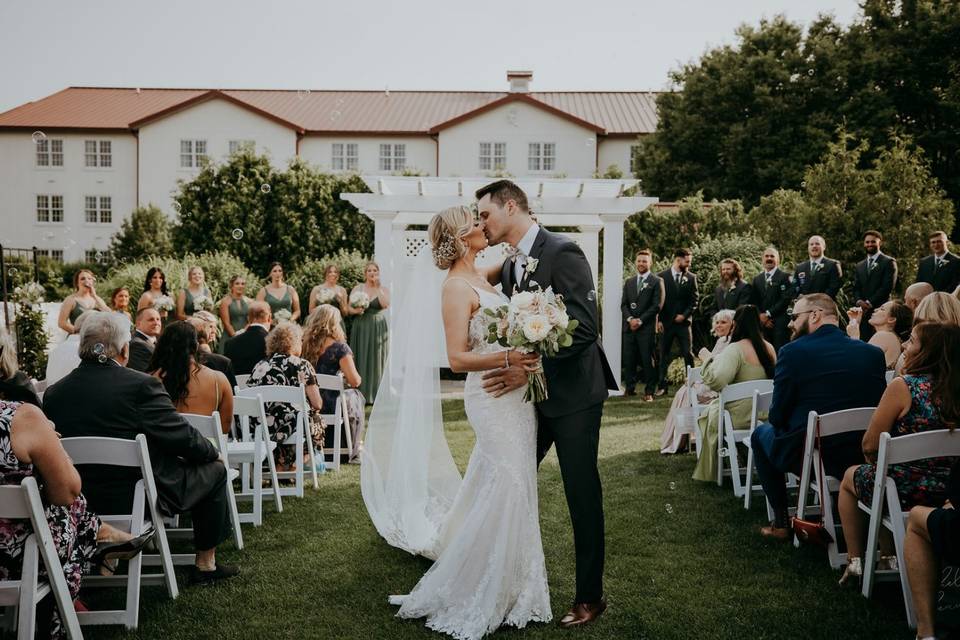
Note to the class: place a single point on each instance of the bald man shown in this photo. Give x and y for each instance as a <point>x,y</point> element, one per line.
<point>819,274</point>
<point>248,347</point>
<point>915,293</point>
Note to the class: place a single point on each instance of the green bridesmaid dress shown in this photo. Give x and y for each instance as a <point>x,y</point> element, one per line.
<point>188,309</point>
<point>277,304</point>
<point>77,310</point>
<point>369,340</point>
<point>237,310</point>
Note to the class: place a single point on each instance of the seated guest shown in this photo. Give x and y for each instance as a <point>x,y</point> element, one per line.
<point>193,388</point>
<point>891,323</point>
<point>749,357</point>
<point>915,293</point>
<point>283,366</point>
<point>680,411</point>
<point>206,327</point>
<point>926,398</point>
<point>145,334</point>
<point>325,346</point>
<point>249,346</point>
<point>104,398</point>
<point>64,357</point>
<point>932,541</point>
<point>732,292</point>
<point>821,370</point>
<point>936,307</point>
<point>29,446</point>
<point>15,385</point>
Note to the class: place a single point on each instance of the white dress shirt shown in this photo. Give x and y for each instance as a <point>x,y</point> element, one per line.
<point>524,247</point>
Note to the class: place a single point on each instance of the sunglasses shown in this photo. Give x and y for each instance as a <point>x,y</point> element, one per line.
<point>794,315</point>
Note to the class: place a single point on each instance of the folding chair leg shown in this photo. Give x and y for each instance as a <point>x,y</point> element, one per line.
<point>313,461</point>
<point>274,481</point>
<point>734,461</point>
<point>335,463</point>
<point>27,609</point>
<point>749,483</point>
<point>234,513</point>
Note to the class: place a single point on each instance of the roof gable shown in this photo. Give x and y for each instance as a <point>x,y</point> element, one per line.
<point>206,97</point>
<point>517,97</point>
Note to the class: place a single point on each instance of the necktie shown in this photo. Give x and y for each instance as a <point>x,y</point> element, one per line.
<point>939,263</point>
<point>676,278</point>
<point>639,283</point>
<point>871,263</point>
<point>769,279</point>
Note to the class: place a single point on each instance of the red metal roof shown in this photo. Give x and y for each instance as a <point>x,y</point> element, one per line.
<point>415,112</point>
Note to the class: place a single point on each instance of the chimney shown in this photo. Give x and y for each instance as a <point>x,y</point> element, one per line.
<point>519,81</point>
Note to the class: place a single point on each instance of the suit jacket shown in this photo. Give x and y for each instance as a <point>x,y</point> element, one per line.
<point>875,286</point>
<point>774,299</point>
<point>579,375</point>
<point>141,351</point>
<point>108,400</point>
<point>827,279</point>
<point>246,349</point>
<point>643,305</point>
<point>824,371</point>
<point>724,298</point>
<point>946,278</point>
<point>679,299</point>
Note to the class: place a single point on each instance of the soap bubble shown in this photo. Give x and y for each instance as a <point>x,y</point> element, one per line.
<point>335,114</point>
<point>38,136</point>
<point>265,188</point>
<point>176,206</point>
<point>590,142</point>
<point>591,295</point>
<point>13,271</point>
<point>669,508</point>
<point>237,234</point>
<point>98,256</point>
<point>99,348</point>
<point>803,184</point>
<point>810,72</point>
<point>102,359</point>
<point>673,486</point>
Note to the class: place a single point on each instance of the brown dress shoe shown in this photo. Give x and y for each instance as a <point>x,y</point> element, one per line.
<point>775,533</point>
<point>582,613</point>
<point>648,398</point>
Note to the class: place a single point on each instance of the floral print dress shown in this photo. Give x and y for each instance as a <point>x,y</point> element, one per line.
<point>74,529</point>
<point>329,364</point>
<point>921,482</point>
<point>286,370</point>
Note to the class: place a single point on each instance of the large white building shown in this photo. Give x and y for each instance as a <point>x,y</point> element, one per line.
<point>74,164</point>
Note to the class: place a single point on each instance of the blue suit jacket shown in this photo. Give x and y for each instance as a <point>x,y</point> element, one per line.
<point>825,371</point>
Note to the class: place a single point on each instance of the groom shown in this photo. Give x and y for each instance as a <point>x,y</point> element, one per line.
<point>577,378</point>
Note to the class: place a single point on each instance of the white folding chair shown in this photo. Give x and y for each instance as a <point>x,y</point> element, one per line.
<point>728,437</point>
<point>250,452</point>
<point>338,420</point>
<point>813,477</point>
<point>890,375</point>
<point>761,404</point>
<point>295,396</point>
<point>899,450</point>
<point>23,503</point>
<point>127,453</point>
<point>694,409</point>
<point>210,428</point>
<point>242,380</point>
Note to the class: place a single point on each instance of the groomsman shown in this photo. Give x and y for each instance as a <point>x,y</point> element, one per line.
<point>942,269</point>
<point>772,294</point>
<point>640,304</point>
<point>873,280</point>
<point>819,274</point>
<point>680,299</point>
<point>732,290</point>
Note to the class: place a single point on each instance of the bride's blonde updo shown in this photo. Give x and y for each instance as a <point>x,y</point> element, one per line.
<point>445,231</point>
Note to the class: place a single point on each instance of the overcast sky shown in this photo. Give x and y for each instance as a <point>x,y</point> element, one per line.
<point>46,45</point>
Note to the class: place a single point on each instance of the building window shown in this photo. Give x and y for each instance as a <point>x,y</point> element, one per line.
<point>49,153</point>
<point>393,157</point>
<point>98,209</point>
<point>95,255</point>
<point>53,254</point>
<point>542,156</point>
<point>493,156</point>
<point>97,153</point>
<point>193,153</point>
<point>634,154</point>
<point>237,146</point>
<point>49,208</point>
<point>345,156</point>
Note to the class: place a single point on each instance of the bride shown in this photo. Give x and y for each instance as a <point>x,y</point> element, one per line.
<point>483,531</point>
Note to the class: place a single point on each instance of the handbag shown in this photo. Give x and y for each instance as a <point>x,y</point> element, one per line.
<point>812,530</point>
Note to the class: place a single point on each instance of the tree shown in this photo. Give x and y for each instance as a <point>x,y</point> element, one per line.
<point>662,230</point>
<point>146,232</point>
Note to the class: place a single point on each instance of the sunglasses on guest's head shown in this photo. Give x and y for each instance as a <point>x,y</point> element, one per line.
<point>793,315</point>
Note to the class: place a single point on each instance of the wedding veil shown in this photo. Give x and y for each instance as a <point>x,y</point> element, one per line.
<point>407,476</point>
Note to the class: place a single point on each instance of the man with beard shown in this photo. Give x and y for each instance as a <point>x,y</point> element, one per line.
<point>640,304</point>
<point>821,370</point>
<point>873,281</point>
<point>732,290</point>
<point>772,293</point>
<point>680,299</point>
<point>942,269</point>
<point>819,274</point>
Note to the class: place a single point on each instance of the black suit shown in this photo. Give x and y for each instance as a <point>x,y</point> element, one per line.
<point>774,300</point>
<point>246,349</point>
<point>874,286</point>
<point>680,300</point>
<point>827,279</point>
<point>946,277</point>
<point>219,363</point>
<point>107,400</point>
<point>577,381</point>
<point>141,351</point>
<point>640,301</point>
<point>727,298</point>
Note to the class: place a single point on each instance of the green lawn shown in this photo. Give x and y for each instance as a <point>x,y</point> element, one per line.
<point>698,570</point>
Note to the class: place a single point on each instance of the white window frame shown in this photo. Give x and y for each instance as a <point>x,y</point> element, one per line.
<point>192,153</point>
<point>49,153</point>
<point>97,154</point>
<point>493,156</point>
<point>97,210</point>
<point>344,156</point>
<point>49,209</point>
<point>542,156</point>
<point>235,146</point>
<point>393,157</point>
<point>634,152</point>
<point>53,254</point>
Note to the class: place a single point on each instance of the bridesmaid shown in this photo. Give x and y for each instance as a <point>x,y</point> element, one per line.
<point>196,286</point>
<point>154,286</point>
<point>279,295</point>
<point>234,306</point>
<point>369,339</point>
<point>120,301</point>
<point>330,287</point>
<point>83,298</point>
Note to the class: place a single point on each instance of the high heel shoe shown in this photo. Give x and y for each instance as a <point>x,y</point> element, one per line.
<point>854,569</point>
<point>120,550</point>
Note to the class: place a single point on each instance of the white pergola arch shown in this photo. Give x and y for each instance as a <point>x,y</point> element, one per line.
<point>397,203</point>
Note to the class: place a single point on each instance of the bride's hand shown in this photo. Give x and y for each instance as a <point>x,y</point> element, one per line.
<point>525,360</point>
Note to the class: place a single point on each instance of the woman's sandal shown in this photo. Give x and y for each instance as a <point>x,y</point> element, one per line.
<point>120,550</point>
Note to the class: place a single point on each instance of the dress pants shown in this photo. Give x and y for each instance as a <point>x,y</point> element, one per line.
<point>577,438</point>
<point>674,332</point>
<point>638,349</point>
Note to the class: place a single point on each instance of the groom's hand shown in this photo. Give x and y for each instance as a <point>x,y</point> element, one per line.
<point>501,381</point>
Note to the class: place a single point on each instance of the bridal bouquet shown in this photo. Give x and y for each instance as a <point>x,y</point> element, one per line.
<point>533,322</point>
<point>359,300</point>
<point>283,315</point>
<point>163,303</point>
<point>202,303</point>
<point>326,296</point>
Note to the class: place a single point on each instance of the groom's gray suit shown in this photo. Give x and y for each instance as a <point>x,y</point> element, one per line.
<point>577,382</point>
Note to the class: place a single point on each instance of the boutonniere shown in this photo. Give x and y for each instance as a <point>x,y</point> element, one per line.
<point>683,279</point>
<point>531,265</point>
<point>644,285</point>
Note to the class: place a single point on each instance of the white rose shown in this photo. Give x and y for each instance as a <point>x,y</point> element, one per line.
<point>557,318</point>
<point>536,327</point>
<point>525,300</point>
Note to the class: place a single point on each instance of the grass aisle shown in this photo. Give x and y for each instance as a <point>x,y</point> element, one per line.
<point>319,569</point>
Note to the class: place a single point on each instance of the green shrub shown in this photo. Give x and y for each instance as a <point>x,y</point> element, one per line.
<point>146,232</point>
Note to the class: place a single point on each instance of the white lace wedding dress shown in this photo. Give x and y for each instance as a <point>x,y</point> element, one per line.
<point>489,569</point>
